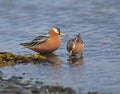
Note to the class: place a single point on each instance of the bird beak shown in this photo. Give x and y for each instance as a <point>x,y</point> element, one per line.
<point>70,53</point>
<point>62,34</point>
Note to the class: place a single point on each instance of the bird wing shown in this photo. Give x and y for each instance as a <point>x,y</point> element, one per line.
<point>70,45</point>
<point>38,40</point>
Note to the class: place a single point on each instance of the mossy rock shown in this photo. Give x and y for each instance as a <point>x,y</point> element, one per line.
<point>7,58</point>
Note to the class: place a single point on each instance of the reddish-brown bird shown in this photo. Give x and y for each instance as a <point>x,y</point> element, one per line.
<point>45,44</point>
<point>75,45</point>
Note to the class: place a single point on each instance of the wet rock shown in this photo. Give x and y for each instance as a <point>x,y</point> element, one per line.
<point>15,79</point>
<point>38,82</point>
<point>1,75</point>
<point>5,56</point>
<point>90,92</point>
<point>9,59</point>
<point>11,87</point>
<point>28,82</point>
<point>9,91</point>
<point>26,91</point>
<point>56,90</point>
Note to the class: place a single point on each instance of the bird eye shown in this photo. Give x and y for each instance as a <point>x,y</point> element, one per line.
<point>57,30</point>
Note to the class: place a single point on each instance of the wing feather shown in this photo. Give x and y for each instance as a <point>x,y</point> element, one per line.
<point>38,40</point>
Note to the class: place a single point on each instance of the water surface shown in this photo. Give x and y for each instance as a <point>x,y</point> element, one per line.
<point>98,21</point>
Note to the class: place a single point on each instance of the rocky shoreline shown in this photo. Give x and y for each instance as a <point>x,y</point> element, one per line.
<point>14,85</point>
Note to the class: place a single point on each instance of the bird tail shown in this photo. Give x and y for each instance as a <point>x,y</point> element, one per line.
<point>25,44</point>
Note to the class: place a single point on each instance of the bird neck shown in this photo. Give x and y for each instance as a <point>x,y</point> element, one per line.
<point>52,33</point>
<point>78,40</point>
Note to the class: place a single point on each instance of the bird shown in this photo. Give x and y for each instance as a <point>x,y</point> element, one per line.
<point>47,43</point>
<point>75,45</point>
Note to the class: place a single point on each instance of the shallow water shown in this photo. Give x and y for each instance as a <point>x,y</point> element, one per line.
<point>98,21</point>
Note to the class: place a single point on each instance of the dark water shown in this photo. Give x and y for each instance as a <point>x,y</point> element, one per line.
<point>98,21</point>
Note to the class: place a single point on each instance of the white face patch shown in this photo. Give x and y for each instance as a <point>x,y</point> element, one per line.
<point>55,30</point>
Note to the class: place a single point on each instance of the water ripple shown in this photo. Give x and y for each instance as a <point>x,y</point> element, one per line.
<point>98,21</point>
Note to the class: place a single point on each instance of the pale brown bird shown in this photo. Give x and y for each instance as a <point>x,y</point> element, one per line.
<point>75,45</point>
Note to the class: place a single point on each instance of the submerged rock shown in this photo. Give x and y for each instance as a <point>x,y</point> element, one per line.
<point>56,90</point>
<point>11,87</point>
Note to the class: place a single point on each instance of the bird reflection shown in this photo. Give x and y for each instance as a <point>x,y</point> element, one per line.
<point>53,59</point>
<point>76,60</point>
